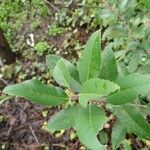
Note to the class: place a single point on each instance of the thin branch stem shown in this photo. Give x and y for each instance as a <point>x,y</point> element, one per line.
<point>51,5</point>
<point>5,99</point>
<point>5,82</point>
<point>33,133</point>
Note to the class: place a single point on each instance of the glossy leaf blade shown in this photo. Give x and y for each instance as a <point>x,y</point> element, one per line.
<point>109,69</point>
<point>61,74</point>
<point>37,92</point>
<point>131,86</point>
<point>90,64</point>
<point>95,89</point>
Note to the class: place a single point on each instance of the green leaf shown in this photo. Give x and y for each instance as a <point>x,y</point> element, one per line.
<point>109,69</point>
<point>88,123</point>
<point>95,89</point>
<point>146,110</point>
<point>129,120</point>
<point>106,13</point>
<point>115,31</point>
<point>131,86</point>
<point>75,85</point>
<point>52,60</point>
<point>137,123</point>
<point>146,43</point>
<point>64,119</point>
<point>147,4</point>
<point>103,137</point>
<point>127,145</point>
<point>37,92</point>
<point>144,69</point>
<point>118,132</point>
<point>90,64</point>
<point>105,16</point>
<point>61,74</point>
<point>134,62</point>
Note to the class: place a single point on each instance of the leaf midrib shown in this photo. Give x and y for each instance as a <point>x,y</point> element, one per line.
<point>88,74</point>
<point>35,92</point>
<point>90,118</point>
<point>64,77</point>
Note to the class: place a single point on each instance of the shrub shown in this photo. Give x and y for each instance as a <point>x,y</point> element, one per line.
<point>95,87</point>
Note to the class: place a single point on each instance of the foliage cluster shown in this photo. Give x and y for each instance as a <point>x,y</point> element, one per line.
<point>127,25</point>
<point>10,12</point>
<point>97,86</point>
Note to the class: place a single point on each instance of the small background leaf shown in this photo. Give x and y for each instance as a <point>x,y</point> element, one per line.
<point>127,145</point>
<point>147,4</point>
<point>51,61</point>
<point>134,62</point>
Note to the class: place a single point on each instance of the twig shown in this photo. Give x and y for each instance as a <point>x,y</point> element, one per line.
<point>28,146</point>
<point>75,145</point>
<point>23,126</point>
<point>87,5</point>
<point>5,82</point>
<point>33,133</point>
<point>59,145</point>
<point>5,99</point>
<point>51,5</point>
